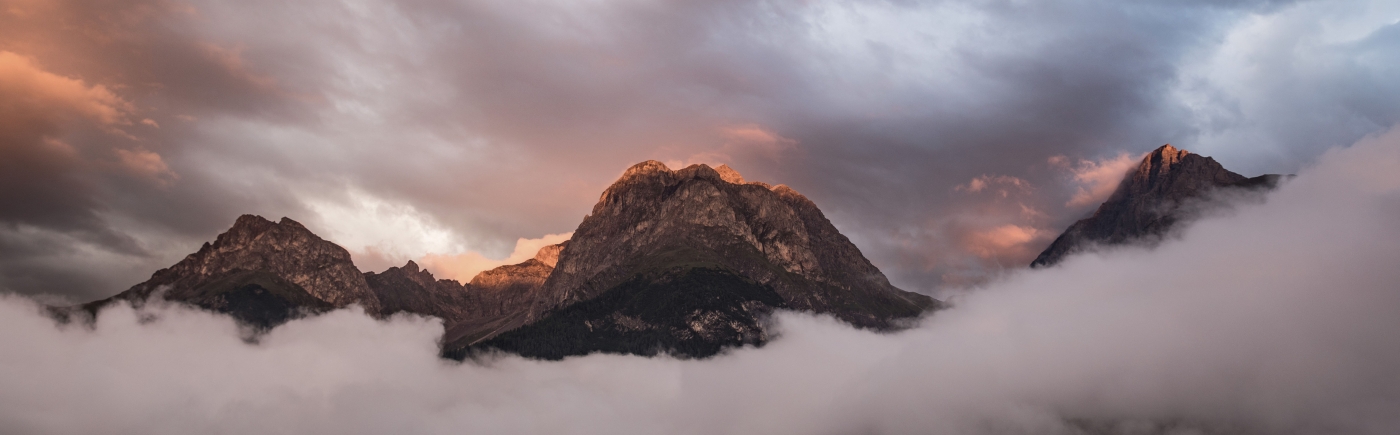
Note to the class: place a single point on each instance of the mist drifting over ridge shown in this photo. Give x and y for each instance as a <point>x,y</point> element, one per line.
<point>1277,318</point>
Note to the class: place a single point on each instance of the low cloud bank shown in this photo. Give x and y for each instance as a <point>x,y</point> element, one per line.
<point>1280,318</point>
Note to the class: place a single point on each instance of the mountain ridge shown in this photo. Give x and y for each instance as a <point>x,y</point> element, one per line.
<point>765,232</point>
<point>688,262</point>
<point>1150,201</point>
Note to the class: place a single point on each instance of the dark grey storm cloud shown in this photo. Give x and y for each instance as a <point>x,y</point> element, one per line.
<point>407,128</point>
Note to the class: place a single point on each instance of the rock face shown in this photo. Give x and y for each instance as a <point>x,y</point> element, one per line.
<point>260,270</point>
<point>663,235</point>
<point>687,312</point>
<point>494,301</point>
<point>654,218</point>
<point>687,262</point>
<point>410,289</point>
<point>506,295</point>
<point>1150,201</point>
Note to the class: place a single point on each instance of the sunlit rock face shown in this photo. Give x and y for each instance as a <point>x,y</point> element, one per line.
<point>260,265</point>
<point>690,262</point>
<point>494,300</point>
<point>653,219</point>
<point>549,255</point>
<point>1152,198</point>
<point>504,298</point>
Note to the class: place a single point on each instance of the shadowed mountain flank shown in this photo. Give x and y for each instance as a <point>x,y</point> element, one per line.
<point>1151,200</point>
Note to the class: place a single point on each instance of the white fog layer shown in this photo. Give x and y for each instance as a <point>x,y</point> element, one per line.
<point>1281,317</point>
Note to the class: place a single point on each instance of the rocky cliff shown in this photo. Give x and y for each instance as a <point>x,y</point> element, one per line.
<point>688,262</point>
<point>410,289</point>
<point>704,255</point>
<point>505,297</point>
<point>655,218</point>
<point>260,271</point>
<point>1150,201</point>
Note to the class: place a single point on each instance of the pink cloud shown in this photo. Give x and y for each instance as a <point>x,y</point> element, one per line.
<point>26,84</point>
<point>146,164</point>
<point>1096,179</point>
<point>1004,185</point>
<point>463,267</point>
<point>1001,241</point>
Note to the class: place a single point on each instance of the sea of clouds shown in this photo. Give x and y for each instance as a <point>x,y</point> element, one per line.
<point>1279,317</point>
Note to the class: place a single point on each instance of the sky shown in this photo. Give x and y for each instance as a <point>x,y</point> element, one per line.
<point>950,140</point>
<point>1242,325</point>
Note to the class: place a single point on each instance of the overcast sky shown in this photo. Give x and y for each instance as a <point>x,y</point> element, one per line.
<point>949,140</point>
<point>1246,326</point>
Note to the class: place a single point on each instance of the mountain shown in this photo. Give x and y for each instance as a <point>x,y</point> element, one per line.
<point>410,289</point>
<point>1151,200</point>
<point>687,262</point>
<point>260,272</point>
<point>506,295</point>
<point>690,261</point>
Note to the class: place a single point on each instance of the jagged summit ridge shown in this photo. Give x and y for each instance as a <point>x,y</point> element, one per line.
<point>729,174</point>
<point>260,272</point>
<point>1149,201</point>
<point>285,248</point>
<point>688,261</point>
<point>549,255</point>
<point>653,217</point>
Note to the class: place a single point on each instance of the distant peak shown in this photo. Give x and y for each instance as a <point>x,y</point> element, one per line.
<point>729,174</point>
<point>550,254</point>
<point>411,266</point>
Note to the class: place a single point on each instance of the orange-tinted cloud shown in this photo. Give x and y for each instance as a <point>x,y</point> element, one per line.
<point>736,143</point>
<point>464,267</point>
<point>1096,179</point>
<point>754,134</point>
<point>1003,241</point>
<point>1002,185</point>
<point>146,164</point>
<point>25,86</point>
<point>232,62</point>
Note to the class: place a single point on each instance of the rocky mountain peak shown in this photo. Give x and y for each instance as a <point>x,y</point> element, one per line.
<point>260,272</point>
<point>284,249</point>
<point>549,255</point>
<point>687,261</point>
<point>1172,174</point>
<point>1149,201</point>
<point>645,168</point>
<point>640,173</point>
<point>653,217</point>
<point>411,271</point>
<point>729,174</point>
<point>244,230</point>
<point>1163,157</point>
